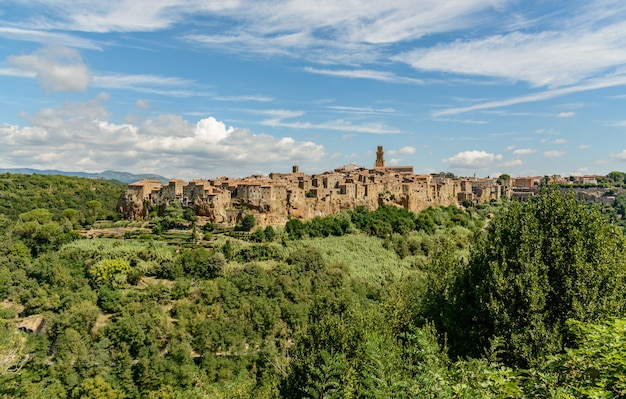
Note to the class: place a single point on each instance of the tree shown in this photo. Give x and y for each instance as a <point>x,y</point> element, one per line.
<point>617,177</point>
<point>110,271</point>
<point>270,233</point>
<point>247,223</point>
<point>97,388</point>
<point>13,355</point>
<point>539,264</point>
<point>173,215</point>
<point>504,179</point>
<point>94,209</point>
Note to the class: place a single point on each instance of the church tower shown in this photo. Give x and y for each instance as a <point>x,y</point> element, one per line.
<point>380,158</point>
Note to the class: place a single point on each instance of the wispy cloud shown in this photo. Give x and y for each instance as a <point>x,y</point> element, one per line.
<point>566,114</point>
<point>279,116</point>
<point>361,110</point>
<point>383,76</point>
<point>154,84</point>
<point>594,84</point>
<point>256,98</point>
<point>524,151</point>
<point>548,58</point>
<point>49,38</point>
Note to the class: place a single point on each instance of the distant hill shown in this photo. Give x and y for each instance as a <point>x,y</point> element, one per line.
<point>123,177</point>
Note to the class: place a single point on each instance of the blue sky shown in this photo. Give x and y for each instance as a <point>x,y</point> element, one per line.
<point>199,89</point>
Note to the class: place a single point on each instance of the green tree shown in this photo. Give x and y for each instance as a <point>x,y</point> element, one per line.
<point>270,233</point>
<point>504,179</point>
<point>97,388</point>
<point>110,271</point>
<point>173,215</point>
<point>617,177</point>
<point>247,223</point>
<point>594,369</point>
<point>539,264</point>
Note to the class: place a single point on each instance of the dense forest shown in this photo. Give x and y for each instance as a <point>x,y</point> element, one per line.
<point>503,300</point>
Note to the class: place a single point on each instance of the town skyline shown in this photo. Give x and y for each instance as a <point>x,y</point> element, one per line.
<point>191,89</point>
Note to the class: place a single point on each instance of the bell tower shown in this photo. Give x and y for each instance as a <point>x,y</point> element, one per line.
<point>380,158</point>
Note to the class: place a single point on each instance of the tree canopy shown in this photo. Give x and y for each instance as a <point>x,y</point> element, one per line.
<point>539,264</point>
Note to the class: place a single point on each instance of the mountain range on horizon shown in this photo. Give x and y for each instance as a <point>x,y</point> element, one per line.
<point>124,177</point>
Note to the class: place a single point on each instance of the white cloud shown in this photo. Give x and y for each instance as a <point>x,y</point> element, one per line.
<point>513,162</point>
<point>554,154</point>
<point>57,68</point>
<point>335,32</point>
<point>566,114</point>
<point>154,84</point>
<point>560,141</point>
<point>524,151</point>
<point>621,156</point>
<point>80,136</point>
<point>407,150</point>
<point>142,104</point>
<point>212,131</point>
<point>584,146</point>
<point>47,37</point>
<point>278,120</point>
<point>618,124</point>
<point>472,159</point>
<point>549,58</point>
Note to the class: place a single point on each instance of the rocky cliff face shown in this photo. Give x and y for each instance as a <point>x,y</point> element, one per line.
<point>278,212</point>
<point>133,207</point>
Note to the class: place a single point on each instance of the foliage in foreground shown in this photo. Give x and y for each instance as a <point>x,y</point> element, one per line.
<point>356,305</point>
<point>538,265</point>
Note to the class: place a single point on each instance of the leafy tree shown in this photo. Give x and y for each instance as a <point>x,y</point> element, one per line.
<point>110,271</point>
<point>94,208</point>
<point>504,179</point>
<point>173,215</point>
<point>295,229</point>
<point>595,368</point>
<point>270,233</point>
<point>258,236</point>
<point>247,223</point>
<point>201,263</point>
<point>617,177</point>
<point>97,388</point>
<point>539,264</point>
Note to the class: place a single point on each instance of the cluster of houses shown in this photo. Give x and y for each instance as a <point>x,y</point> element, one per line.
<point>278,197</point>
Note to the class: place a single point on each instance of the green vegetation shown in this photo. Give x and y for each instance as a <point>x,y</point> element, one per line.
<point>86,199</point>
<point>539,265</point>
<point>445,303</point>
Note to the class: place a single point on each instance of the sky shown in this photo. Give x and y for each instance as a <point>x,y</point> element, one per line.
<point>206,88</point>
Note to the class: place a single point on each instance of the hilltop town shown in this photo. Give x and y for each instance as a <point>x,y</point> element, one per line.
<point>276,198</point>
